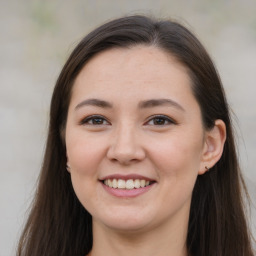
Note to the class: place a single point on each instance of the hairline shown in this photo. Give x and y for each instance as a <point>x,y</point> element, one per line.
<point>155,44</point>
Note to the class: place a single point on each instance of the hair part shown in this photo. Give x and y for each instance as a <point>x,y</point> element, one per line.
<point>59,225</point>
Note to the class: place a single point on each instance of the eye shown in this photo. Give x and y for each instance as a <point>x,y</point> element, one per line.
<point>160,120</point>
<point>94,120</point>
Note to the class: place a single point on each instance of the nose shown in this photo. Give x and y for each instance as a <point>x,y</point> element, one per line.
<point>125,146</point>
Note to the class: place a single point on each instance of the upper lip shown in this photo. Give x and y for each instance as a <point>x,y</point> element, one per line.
<point>127,177</point>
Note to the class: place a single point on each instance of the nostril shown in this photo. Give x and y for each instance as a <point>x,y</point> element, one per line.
<point>126,157</point>
<point>125,148</point>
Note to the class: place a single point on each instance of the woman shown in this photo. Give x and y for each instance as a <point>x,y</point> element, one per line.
<point>140,156</point>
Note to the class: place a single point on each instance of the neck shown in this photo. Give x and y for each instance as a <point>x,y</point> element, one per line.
<point>168,239</point>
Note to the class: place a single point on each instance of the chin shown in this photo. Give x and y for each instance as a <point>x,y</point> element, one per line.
<point>127,226</point>
<point>126,222</point>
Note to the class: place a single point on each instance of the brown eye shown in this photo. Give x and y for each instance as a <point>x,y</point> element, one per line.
<point>94,120</point>
<point>97,121</point>
<point>160,121</point>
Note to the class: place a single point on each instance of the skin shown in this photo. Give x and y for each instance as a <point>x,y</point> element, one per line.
<point>128,139</point>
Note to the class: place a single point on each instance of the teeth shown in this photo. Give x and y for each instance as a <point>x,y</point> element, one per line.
<point>120,184</point>
<point>142,183</point>
<point>137,183</point>
<point>114,183</point>
<point>128,184</point>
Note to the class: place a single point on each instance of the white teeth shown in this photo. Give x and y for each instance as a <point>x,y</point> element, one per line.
<point>114,183</point>
<point>128,184</point>
<point>120,183</point>
<point>137,183</point>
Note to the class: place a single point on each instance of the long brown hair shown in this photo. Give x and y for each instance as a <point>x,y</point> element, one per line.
<point>59,225</point>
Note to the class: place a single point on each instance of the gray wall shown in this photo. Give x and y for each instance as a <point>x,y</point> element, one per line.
<point>36,38</point>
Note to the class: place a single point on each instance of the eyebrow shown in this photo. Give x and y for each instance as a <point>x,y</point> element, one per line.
<point>94,102</point>
<point>160,102</point>
<point>143,104</point>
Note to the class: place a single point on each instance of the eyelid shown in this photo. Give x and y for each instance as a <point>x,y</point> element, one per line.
<point>166,118</point>
<point>85,121</point>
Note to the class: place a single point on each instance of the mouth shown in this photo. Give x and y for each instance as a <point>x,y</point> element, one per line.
<point>127,184</point>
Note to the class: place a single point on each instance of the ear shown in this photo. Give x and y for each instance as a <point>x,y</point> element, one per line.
<point>68,165</point>
<point>213,146</point>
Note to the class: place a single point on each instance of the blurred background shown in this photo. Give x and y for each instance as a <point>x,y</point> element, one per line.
<point>36,39</point>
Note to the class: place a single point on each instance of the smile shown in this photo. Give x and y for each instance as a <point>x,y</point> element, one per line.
<point>127,184</point>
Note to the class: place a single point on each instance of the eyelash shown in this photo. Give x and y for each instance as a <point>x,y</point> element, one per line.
<point>90,119</point>
<point>162,118</point>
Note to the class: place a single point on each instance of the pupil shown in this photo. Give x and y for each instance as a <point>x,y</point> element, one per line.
<point>159,121</point>
<point>97,121</point>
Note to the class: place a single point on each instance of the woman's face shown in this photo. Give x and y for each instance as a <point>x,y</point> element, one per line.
<point>135,139</point>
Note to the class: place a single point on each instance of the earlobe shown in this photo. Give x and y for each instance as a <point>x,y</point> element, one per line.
<point>68,165</point>
<point>213,146</point>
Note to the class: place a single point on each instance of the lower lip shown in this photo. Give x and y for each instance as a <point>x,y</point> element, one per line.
<point>127,192</point>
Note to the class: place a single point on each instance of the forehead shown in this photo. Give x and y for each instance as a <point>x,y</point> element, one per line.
<point>132,56</point>
<point>138,67</point>
<point>127,77</point>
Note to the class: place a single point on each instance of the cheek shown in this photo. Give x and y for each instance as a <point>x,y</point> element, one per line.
<point>178,156</point>
<point>84,153</point>
<point>176,162</point>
